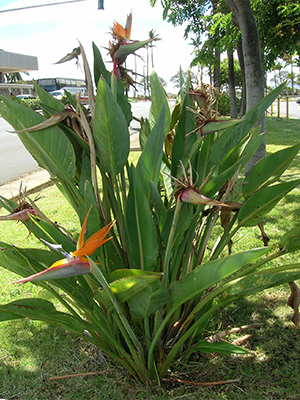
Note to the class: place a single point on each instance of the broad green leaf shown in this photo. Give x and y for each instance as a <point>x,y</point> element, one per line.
<point>217,126</point>
<point>159,97</point>
<point>42,310</point>
<point>216,183</point>
<point>157,202</point>
<point>149,300</point>
<point>140,226</point>
<point>176,114</point>
<point>25,262</point>
<point>126,49</point>
<point>269,169</point>
<point>290,242</point>
<point>206,275</point>
<point>10,310</point>
<point>262,202</point>
<point>149,162</point>
<point>125,288</point>
<point>184,220</point>
<point>234,155</point>
<point>144,132</point>
<point>47,99</point>
<point>183,139</point>
<point>99,67</point>
<point>203,167</point>
<point>111,133</point>
<point>220,347</point>
<point>100,70</point>
<point>251,147</point>
<point>49,147</point>
<point>166,179</point>
<point>51,233</point>
<point>127,273</point>
<point>256,282</point>
<point>233,135</point>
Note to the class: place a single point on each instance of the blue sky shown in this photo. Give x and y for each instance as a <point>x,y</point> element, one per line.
<point>51,32</point>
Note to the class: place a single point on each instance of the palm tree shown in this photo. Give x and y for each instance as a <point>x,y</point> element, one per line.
<point>153,37</point>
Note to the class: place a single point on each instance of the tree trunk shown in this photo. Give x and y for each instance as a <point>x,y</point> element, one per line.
<point>254,72</point>
<point>217,74</point>
<point>244,88</point>
<point>233,106</point>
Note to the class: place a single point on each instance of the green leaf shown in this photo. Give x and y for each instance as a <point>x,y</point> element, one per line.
<point>262,202</point>
<point>217,126</point>
<point>220,347</point>
<point>49,147</point>
<point>25,262</point>
<point>290,242</point>
<point>42,310</point>
<point>47,99</point>
<point>125,288</point>
<point>269,169</point>
<point>99,66</point>
<point>127,273</point>
<point>256,282</point>
<point>149,162</point>
<point>140,225</point>
<point>149,300</point>
<point>100,70</point>
<point>206,275</point>
<point>183,141</point>
<point>232,136</point>
<point>156,201</point>
<point>158,97</point>
<point>214,184</point>
<point>144,132</point>
<point>111,133</point>
<point>126,49</point>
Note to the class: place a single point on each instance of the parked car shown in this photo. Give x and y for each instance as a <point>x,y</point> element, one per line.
<point>298,100</point>
<point>73,90</point>
<point>24,96</point>
<point>58,94</point>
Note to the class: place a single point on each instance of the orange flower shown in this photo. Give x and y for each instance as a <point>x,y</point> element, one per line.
<point>74,264</point>
<point>122,32</point>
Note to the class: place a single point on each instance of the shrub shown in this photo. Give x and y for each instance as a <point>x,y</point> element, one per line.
<point>146,296</point>
<point>223,103</point>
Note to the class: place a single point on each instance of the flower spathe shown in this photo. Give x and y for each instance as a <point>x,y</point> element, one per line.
<point>123,32</point>
<point>22,215</point>
<point>192,196</point>
<point>75,263</point>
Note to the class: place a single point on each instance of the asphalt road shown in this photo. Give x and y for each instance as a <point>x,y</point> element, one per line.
<point>294,109</point>
<point>15,161</point>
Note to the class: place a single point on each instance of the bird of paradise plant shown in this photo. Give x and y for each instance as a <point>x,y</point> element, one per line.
<point>75,263</point>
<point>164,272</point>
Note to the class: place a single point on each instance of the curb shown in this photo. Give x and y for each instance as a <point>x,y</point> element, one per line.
<point>38,180</point>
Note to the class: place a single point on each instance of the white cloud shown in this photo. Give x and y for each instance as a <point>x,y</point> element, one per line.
<point>51,32</point>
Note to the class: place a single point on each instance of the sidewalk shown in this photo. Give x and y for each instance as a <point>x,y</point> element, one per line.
<point>33,183</point>
<point>41,179</point>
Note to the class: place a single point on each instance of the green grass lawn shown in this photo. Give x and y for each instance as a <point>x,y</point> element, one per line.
<point>33,352</point>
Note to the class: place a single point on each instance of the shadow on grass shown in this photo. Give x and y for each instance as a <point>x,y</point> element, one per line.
<point>269,371</point>
<point>282,133</point>
<point>34,352</point>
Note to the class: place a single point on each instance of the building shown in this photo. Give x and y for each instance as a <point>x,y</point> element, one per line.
<point>15,62</point>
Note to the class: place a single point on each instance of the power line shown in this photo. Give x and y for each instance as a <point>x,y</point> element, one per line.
<point>41,5</point>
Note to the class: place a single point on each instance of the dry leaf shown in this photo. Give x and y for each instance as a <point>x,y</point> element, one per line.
<point>293,301</point>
